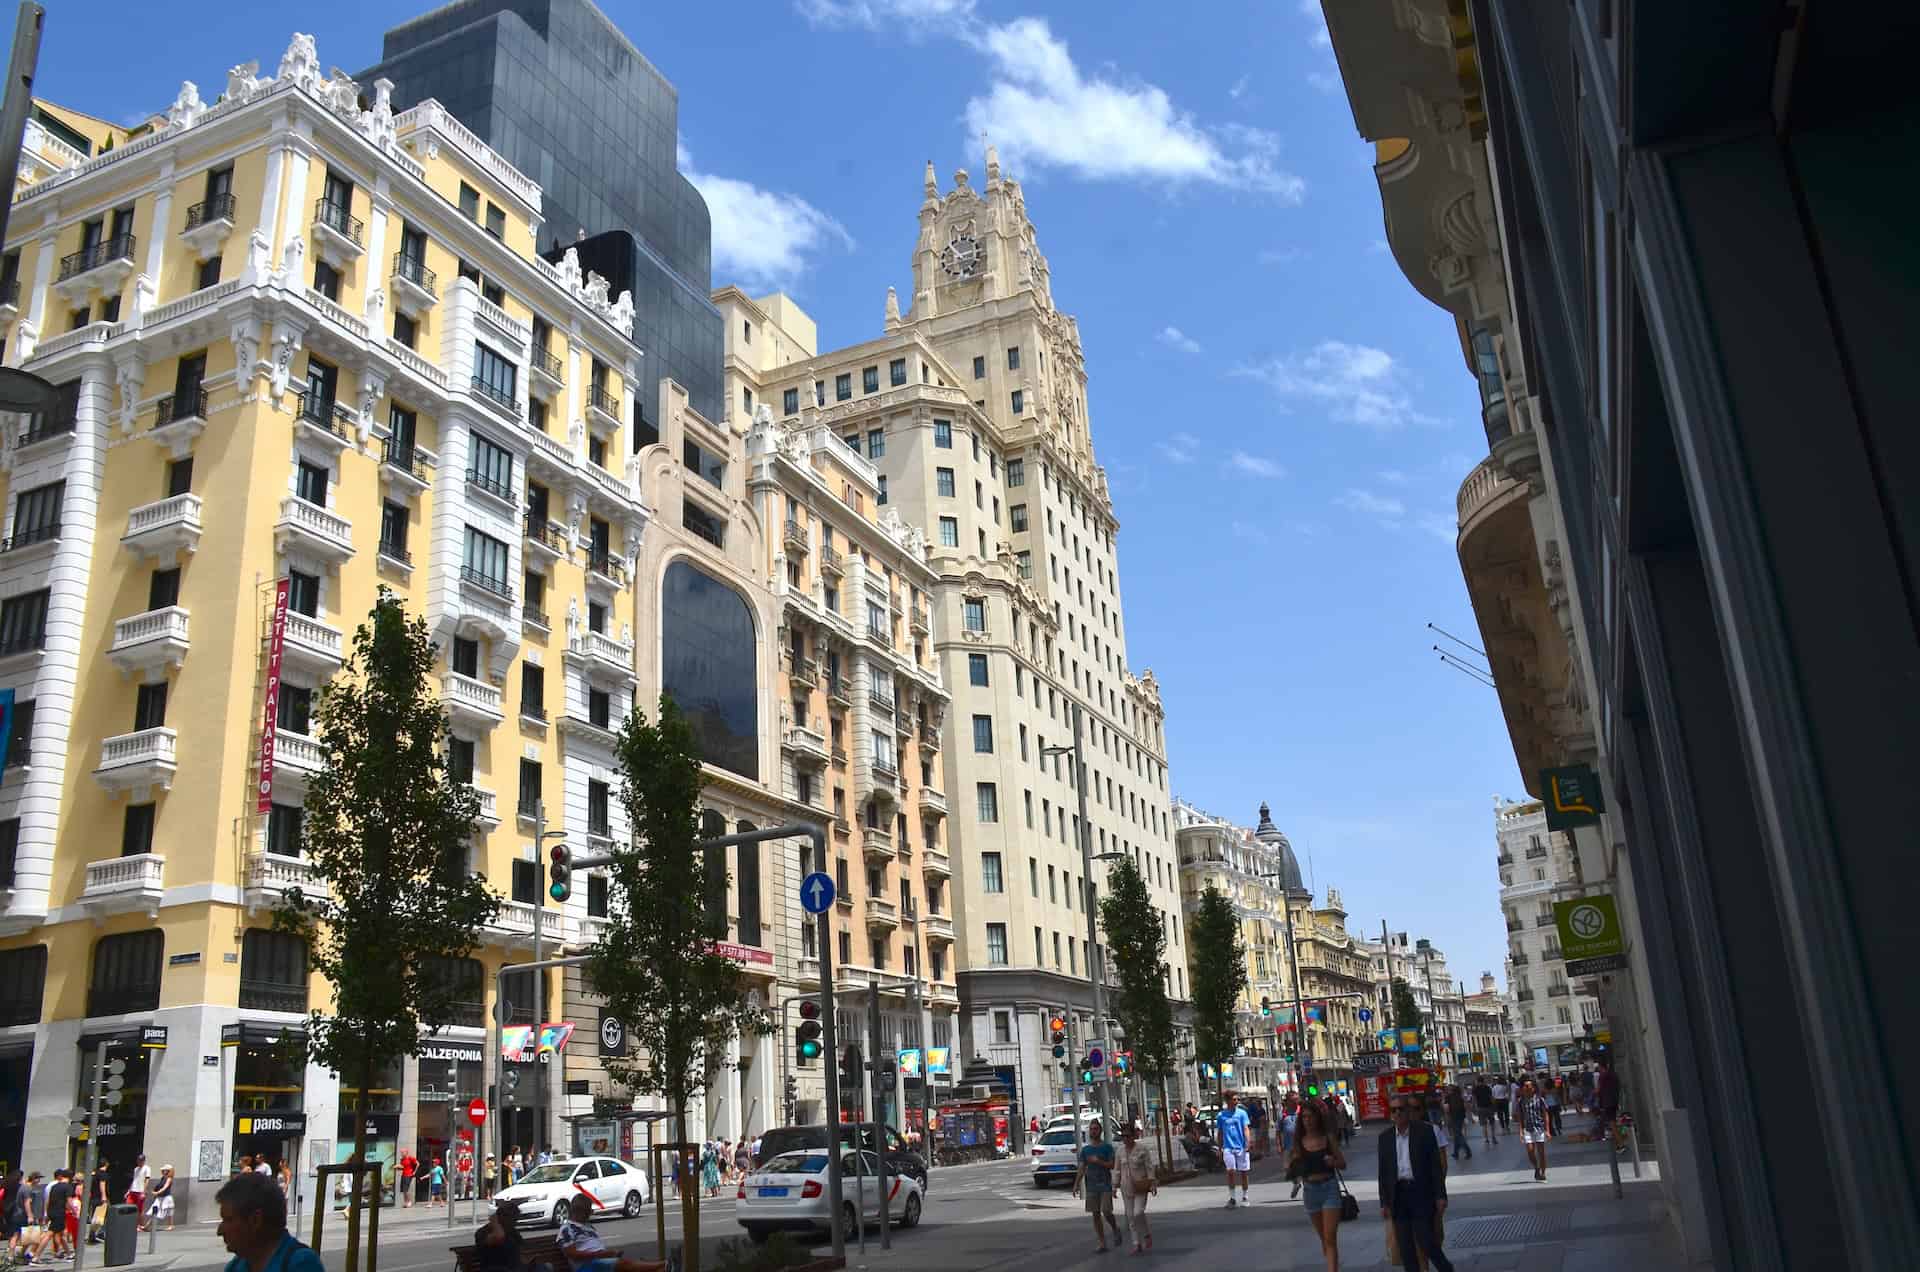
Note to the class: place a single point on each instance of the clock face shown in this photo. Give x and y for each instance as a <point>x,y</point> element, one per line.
<point>961,258</point>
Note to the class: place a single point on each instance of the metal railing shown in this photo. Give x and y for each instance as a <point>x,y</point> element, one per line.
<point>261,995</point>
<point>405,456</point>
<point>181,404</point>
<point>50,424</point>
<point>535,615</point>
<point>491,484</point>
<point>337,217</point>
<point>32,534</point>
<point>485,581</point>
<point>547,364</point>
<point>119,247</point>
<point>323,413</point>
<point>601,400</point>
<point>219,208</point>
<point>395,552</point>
<point>546,534</point>
<point>414,270</point>
<point>609,565</point>
<point>20,643</point>
<point>494,393</point>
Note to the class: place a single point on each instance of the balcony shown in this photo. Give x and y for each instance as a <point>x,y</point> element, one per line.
<point>918,621</point>
<point>933,803</point>
<point>325,420</point>
<point>830,562</point>
<point>150,642</point>
<point>137,762</point>
<point>489,814</point>
<point>501,401</point>
<point>208,225</point>
<point>1524,996</point>
<point>877,844</point>
<point>1536,854</point>
<point>602,657</point>
<point>402,464</point>
<point>296,757</point>
<point>120,884</point>
<point>1552,951</point>
<point>178,418</point>
<point>270,877</point>
<point>795,537</point>
<point>415,289</point>
<point>548,372</point>
<point>27,536</point>
<point>938,928</point>
<point>494,595</point>
<point>393,552</point>
<point>881,702</point>
<point>1558,991</point>
<point>311,646</point>
<point>802,671</point>
<point>44,426</point>
<point>935,864</point>
<point>1518,958</point>
<point>930,738</point>
<point>100,270</point>
<point>472,702</point>
<point>533,616</point>
<point>839,692</point>
<point>162,529</point>
<point>493,487</point>
<point>1542,920</point>
<point>515,921</point>
<point>603,408</point>
<point>1505,859</point>
<point>1515,925</point>
<point>611,569</point>
<point>809,745</point>
<point>882,916</point>
<point>338,235</point>
<point>884,781</point>
<point>549,538</point>
<point>309,529</point>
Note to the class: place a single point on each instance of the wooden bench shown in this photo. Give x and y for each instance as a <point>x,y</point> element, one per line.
<point>533,1250</point>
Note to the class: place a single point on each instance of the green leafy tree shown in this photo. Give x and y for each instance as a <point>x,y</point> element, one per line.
<point>1406,1008</point>
<point>386,833</point>
<point>655,964</point>
<point>1137,949</point>
<point>1217,960</point>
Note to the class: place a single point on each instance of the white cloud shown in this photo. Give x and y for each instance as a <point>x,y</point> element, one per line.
<point>1281,255</point>
<point>878,13</point>
<point>1438,524</point>
<point>1310,9</point>
<point>1393,477</point>
<point>1325,81</point>
<point>1178,448</point>
<point>1355,384</point>
<point>1383,508</point>
<point>1239,89</point>
<point>762,238</point>
<point>1378,246</point>
<point>1174,338</point>
<point>1255,466</point>
<point>1248,531</point>
<point>1042,110</point>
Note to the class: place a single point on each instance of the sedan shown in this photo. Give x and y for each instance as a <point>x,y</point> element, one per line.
<point>789,1194</point>
<point>616,1187</point>
<point>1053,1157</point>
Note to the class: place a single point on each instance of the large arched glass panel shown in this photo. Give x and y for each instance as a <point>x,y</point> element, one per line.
<point>708,665</point>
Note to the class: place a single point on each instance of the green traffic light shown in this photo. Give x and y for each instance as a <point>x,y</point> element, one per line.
<point>559,891</point>
<point>809,1050</point>
<point>1313,1089</point>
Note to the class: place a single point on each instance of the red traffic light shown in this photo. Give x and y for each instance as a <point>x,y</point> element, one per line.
<point>559,854</point>
<point>809,1009</point>
<point>1058,1024</point>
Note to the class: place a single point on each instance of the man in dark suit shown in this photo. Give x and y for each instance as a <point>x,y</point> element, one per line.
<point>1413,1185</point>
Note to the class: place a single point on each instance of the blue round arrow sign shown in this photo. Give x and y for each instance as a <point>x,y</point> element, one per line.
<point>1366,1014</point>
<point>816,892</point>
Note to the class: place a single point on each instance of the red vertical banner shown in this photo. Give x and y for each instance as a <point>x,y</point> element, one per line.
<point>1373,1098</point>
<point>276,642</point>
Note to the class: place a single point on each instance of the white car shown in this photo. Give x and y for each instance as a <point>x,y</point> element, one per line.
<point>545,1192</point>
<point>789,1194</point>
<point>1053,1156</point>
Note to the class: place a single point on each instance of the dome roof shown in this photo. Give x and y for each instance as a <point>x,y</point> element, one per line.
<point>1270,837</point>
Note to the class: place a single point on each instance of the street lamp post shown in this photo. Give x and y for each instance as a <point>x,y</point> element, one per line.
<point>1086,903</point>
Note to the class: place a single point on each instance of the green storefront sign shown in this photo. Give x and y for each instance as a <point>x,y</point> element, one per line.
<point>1590,936</point>
<point>1571,796</point>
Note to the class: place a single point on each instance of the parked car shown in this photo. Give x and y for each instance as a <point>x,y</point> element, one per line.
<point>544,1192</point>
<point>901,1160</point>
<point>788,1193</point>
<point>1053,1156</point>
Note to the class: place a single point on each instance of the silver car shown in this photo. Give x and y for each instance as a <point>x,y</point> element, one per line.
<point>789,1194</point>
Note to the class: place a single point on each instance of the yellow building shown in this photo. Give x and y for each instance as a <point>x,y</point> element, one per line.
<point>1334,972</point>
<point>302,343</point>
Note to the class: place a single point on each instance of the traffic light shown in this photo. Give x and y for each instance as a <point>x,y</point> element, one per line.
<point>1058,1025</point>
<point>806,1039</point>
<point>850,1066</point>
<point>559,872</point>
<point>512,1085</point>
<point>792,1092</point>
<point>1086,1072</point>
<point>1313,1090</point>
<point>1266,1006</point>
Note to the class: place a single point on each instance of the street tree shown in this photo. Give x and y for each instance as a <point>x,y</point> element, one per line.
<point>1137,948</point>
<point>656,964</point>
<point>386,833</point>
<point>1217,960</point>
<point>1406,1008</point>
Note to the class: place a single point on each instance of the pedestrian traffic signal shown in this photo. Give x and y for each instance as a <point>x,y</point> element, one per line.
<point>1313,1090</point>
<point>793,1093</point>
<point>807,1044</point>
<point>1058,1025</point>
<point>559,872</point>
<point>512,1084</point>
<point>1086,1073</point>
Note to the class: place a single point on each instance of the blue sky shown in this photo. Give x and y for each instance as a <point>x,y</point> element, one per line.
<point>1284,420</point>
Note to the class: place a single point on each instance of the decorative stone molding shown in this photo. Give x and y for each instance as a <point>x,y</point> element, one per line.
<point>187,107</point>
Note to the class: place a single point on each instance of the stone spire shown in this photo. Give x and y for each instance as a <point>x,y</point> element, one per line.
<point>893,309</point>
<point>993,165</point>
<point>932,182</point>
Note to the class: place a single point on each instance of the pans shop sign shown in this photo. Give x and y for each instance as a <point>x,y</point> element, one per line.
<point>282,1124</point>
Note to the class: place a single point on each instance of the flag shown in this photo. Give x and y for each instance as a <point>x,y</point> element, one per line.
<point>1283,1020</point>
<point>1316,1013</point>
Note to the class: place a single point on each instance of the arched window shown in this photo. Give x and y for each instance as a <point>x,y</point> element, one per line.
<point>126,973</point>
<point>708,665</point>
<point>273,971</point>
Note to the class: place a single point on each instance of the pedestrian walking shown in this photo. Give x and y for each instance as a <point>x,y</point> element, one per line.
<point>1606,1096</point>
<point>161,1205</point>
<point>1555,1095</point>
<point>1094,1177</point>
<point>1413,1187</point>
<point>1315,1164</point>
<point>1530,1110</point>
<point>1231,1127</point>
<point>710,1171</point>
<point>409,1167</point>
<point>1483,1111</point>
<point>56,1213</point>
<point>1137,1183</point>
<point>1456,1105</point>
<point>13,1211</point>
<point>437,1182</point>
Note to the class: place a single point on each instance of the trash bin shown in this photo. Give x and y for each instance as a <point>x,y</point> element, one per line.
<point>123,1234</point>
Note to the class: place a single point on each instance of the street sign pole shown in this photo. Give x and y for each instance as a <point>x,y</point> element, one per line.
<point>93,1156</point>
<point>829,1061</point>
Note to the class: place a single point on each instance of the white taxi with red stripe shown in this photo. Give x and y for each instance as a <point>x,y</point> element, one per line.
<point>789,1194</point>
<point>614,1187</point>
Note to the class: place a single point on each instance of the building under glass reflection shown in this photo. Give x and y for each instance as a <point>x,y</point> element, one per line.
<point>556,89</point>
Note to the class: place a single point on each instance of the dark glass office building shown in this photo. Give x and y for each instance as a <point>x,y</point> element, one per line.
<point>555,88</point>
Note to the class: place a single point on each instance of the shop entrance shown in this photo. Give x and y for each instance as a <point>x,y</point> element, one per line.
<point>451,1078</point>
<point>123,1128</point>
<point>269,1083</point>
<point>379,1105</point>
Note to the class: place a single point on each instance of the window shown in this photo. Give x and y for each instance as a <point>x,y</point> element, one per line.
<point>1017,518</point>
<point>126,972</point>
<point>943,434</point>
<point>326,281</point>
<point>303,593</point>
<point>790,402</point>
<point>897,372</point>
<point>599,818</point>
<point>296,709</point>
<point>136,832</point>
<point>883,489</point>
<point>469,203</point>
<point>526,884</point>
<point>746,400</point>
<point>943,482</point>
<point>709,665</point>
<point>496,222</point>
<point>23,972</point>
<point>494,376</point>
<point>23,622</point>
<point>949,532</point>
<point>405,330</point>
<point>310,483</point>
<point>1023,741</point>
<point>870,379</point>
<point>150,707</point>
<point>876,443</point>
<point>180,477</point>
<point>996,957</point>
<point>979,368</point>
<point>973,614</point>
<point>988,797</point>
<point>402,428</point>
<point>746,887</point>
<point>1013,358</point>
<point>600,708</point>
<point>1016,472</point>
<point>460,761</point>
<point>707,465</point>
<point>853,442</point>
<point>983,735</point>
<point>1019,402</point>
<point>486,563</point>
<point>492,468</point>
<point>36,515</point>
<point>529,802</point>
<point>597,896</point>
<point>842,387</point>
<point>977,669</point>
<point>393,530</point>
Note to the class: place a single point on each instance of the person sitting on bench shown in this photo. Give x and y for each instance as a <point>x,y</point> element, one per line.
<point>583,1247</point>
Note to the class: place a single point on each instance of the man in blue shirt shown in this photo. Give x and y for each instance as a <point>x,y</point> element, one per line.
<point>253,1223</point>
<point>1232,1127</point>
<point>1097,1162</point>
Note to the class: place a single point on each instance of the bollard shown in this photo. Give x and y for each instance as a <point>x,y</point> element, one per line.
<point>1633,1138</point>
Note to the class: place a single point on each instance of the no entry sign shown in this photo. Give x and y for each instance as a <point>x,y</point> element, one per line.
<point>477,1112</point>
